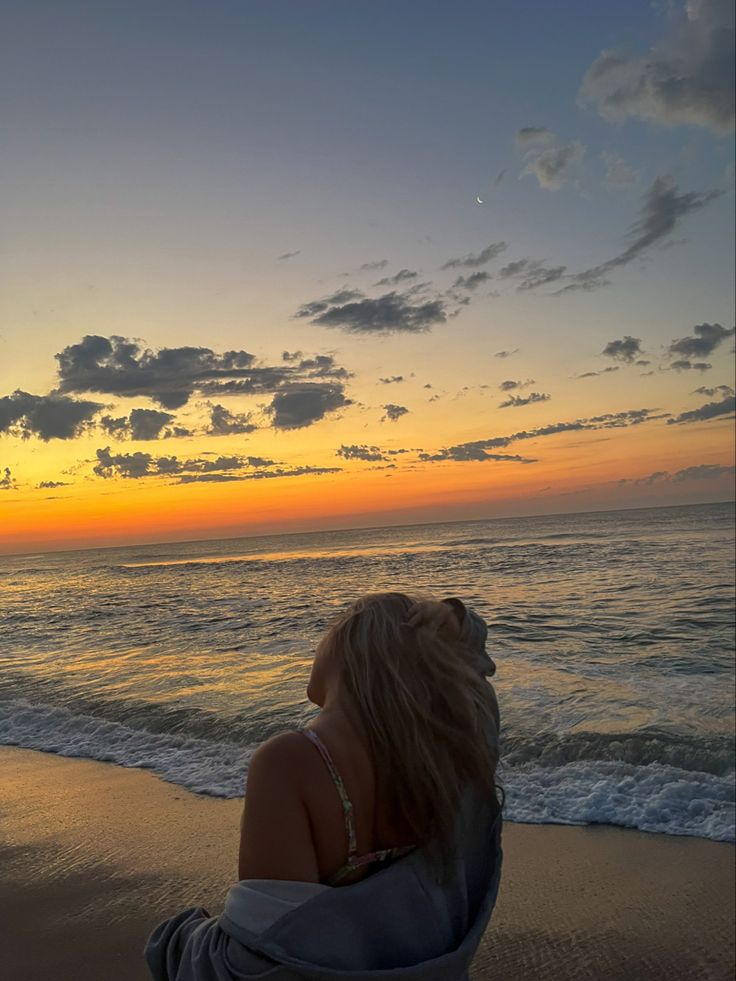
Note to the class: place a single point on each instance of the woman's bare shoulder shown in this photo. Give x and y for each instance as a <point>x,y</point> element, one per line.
<point>286,752</point>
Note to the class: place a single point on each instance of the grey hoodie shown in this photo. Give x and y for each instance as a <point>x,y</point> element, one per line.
<point>399,923</point>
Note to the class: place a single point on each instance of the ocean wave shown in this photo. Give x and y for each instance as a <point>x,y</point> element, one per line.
<point>654,798</point>
<point>214,768</point>
<point>705,754</point>
<point>548,789</point>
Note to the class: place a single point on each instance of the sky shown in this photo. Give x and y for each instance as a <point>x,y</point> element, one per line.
<point>298,265</point>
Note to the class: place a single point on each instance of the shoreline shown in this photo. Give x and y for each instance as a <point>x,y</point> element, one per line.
<point>95,855</point>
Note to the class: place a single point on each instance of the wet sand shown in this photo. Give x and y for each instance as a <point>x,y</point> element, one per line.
<point>94,855</point>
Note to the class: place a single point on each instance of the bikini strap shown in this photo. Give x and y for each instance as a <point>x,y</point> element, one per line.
<point>347,805</point>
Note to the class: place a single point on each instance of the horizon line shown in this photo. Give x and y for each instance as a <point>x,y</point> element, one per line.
<point>412,524</point>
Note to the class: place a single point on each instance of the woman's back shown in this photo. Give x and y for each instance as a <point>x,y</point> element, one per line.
<point>348,804</point>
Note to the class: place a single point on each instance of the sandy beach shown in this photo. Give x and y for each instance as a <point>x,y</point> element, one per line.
<point>94,855</point>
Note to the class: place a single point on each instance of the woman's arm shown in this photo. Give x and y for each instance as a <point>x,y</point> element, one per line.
<point>275,835</point>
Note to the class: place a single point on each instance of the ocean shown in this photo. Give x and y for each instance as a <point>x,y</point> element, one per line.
<point>613,635</point>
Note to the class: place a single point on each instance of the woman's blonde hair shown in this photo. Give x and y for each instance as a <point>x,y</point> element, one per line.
<point>427,710</point>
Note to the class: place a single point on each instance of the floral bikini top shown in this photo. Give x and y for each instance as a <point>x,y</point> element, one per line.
<point>354,861</point>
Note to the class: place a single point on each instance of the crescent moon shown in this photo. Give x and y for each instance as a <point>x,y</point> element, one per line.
<point>479,200</point>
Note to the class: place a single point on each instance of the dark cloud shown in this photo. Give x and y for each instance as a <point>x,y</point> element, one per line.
<point>641,361</point>
<point>321,366</point>
<point>506,354</point>
<point>372,266</point>
<point>595,374</point>
<point>516,401</point>
<point>256,475</point>
<point>717,390</point>
<point>703,471</point>
<point>471,261</point>
<point>315,307</point>
<point>683,364</point>
<point>391,313</point>
<point>551,167</point>
<point>529,136</point>
<point>132,465</point>
<point>393,412</point>
<point>711,410</point>
<point>143,425</point>
<point>289,255</point>
<point>400,277</point>
<point>609,420</point>
<point>473,453</point>
<point>540,277</point>
<point>120,366</point>
<point>46,416</point>
<point>685,79</point>
<point>517,267</point>
<point>471,282</point>
<point>6,479</point>
<point>299,405</point>
<point>138,465</point>
<point>509,385</point>
<point>625,349</point>
<point>663,207</point>
<point>392,380</point>
<point>354,452</point>
<point>223,422</point>
<point>706,340</point>
<point>50,484</point>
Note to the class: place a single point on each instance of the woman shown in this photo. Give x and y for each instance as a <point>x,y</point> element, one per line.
<point>370,841</point>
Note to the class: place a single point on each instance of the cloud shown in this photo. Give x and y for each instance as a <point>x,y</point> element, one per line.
<point>354,452</point>
<point>618,173</point>
<point>518,266</point>
<point>711,410</point>
<point>137,465</point>
<point>391,313</point>
<point>6,479</point>
<point>299,405</point>
<point>685,365</point>
<point>662,208</point>
<point>608,420</point>
<point>506,354</point>
<point>529,136</point>
<point>289,255</point>
<point>516,401</point>
<point>471,261</point>
<point>257,475</point>
<point>551,167</point>
<point>706,340</point>
<point>50,484</point>
<point>509,385</point>
<point>540,277</point>
<point>393,412</point>
<point>595,374</point>
<point>473,453</point>
<point>686,79</point>
<point>223,422</point>
<point>703,471</point>
<point>372,266</point>
<point>393,380</point>
<point>717,390</point>
<point>400,277</point>
<point>471,282</point>
<point>625,349</point>
<point>143,425</point>
<point>46,416</point>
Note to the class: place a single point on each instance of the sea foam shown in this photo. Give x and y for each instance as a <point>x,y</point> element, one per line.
<point>653,797</point>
